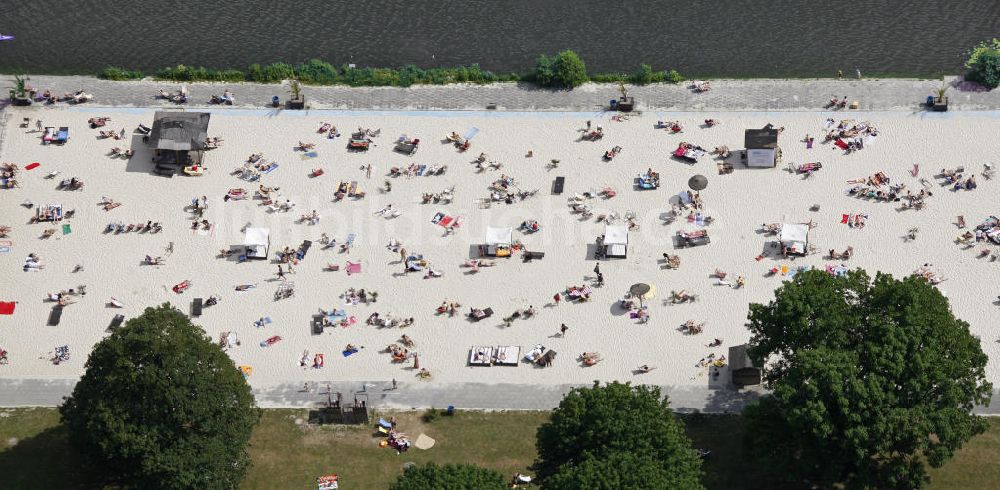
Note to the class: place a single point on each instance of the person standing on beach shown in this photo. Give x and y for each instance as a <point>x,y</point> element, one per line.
<point>597,268</point>
<point>859,72</point>
<point>556,298</point>
<point>281,273</point>
<point>562,329</point>
<point>840,74</point>
<point>600,278</point>
<point>38,125</point>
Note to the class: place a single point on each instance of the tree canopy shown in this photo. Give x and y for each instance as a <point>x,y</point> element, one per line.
<point>869,379</point>
<point>451,476</point>
<point>611,428</point>
<point>984,64</point>
<point>161,406</point>
<point>565,70</point>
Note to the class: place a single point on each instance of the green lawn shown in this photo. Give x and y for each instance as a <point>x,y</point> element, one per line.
<point>288,453</point>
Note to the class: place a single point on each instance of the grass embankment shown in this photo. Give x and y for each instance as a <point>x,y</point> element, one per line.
<point>288,453</point>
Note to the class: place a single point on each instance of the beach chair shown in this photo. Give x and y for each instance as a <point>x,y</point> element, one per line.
<point>558,184</point>
<point>196,306</point>
<point>55,315</point>
<point>304,249</point>
<point>477,315</point>
<point>317,324</point>
<point>350,241</point>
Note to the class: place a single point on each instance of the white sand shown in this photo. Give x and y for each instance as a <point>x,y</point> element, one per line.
<point>739,202</point>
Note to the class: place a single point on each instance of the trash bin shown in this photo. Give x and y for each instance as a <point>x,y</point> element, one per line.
<point>451,410</point>
<point>930,100</point>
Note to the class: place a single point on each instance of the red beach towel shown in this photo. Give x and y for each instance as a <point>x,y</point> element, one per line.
<point>844,218</point>
<point>7,307</point>
<point>32,165</point>
<point>841,144</point>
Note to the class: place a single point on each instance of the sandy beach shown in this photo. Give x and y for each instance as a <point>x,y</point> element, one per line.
<point>738,202</point>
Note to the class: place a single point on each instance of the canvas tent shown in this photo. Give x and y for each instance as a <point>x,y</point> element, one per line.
<point>762,147</point>
<point>257,241</point>
<point>179,131</point>
<point>741,368</point>
<point>498,241</point>
<point>615,241</point>
<point>794,238</point>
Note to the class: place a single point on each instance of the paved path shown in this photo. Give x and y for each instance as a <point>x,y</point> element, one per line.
<point>726,95</point>
<point>418,395</point>
<point>408,395</point>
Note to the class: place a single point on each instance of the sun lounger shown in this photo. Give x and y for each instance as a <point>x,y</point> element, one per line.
<point>196,307</point>
<point>477,315</point>
<point>535,353</point>
<point>529,256</point>
<point>55,315</point>
<point>317,324</point>
<point>303,249</point>
<point>546,359</point>
<point>558,184</point>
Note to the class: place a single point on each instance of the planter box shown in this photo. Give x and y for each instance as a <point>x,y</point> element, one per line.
<point>940,104</point>
<point>21,101</point>
<point>297,103</point>
<point>626,104</point>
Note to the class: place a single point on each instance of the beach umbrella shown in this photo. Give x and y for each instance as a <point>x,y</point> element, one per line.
<point>640,290</point>
<point>698,182</point>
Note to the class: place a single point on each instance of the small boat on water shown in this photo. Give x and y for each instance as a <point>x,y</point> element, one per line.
<point>5,37</point>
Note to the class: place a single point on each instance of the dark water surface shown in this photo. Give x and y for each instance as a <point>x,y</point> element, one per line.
<point>736,38</point>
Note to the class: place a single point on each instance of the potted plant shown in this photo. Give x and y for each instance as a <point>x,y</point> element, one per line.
<point>298,101</point>
<point>625,103</point>
<point>940,102</point>
<point>19,93</point>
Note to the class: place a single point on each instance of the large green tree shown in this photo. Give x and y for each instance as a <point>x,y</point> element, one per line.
<point>161,406</point>
<point>450,476</point>
<point>594,429</point>
<point>869,379</point>
<point>564,70</point>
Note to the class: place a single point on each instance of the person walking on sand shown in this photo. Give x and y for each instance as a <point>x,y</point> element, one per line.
<point>600,278</point>
<point>562,329</point>
<point>38,125</point>
<point>394,383</point>
<point>281,273</point>
<point>597,268</point>
<point>557,298</point>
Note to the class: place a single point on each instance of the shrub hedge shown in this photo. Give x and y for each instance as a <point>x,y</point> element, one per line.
<point>565,69</point>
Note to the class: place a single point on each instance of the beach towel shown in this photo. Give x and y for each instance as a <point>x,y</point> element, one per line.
<point>66,229</point>
<point>437,218</point>
<point>446,221</point>
<point>844,218</point>
<point>349,352</point>
<point>353,268</point>
<point>32,165</point>
<point>421,169</point>
<point>270,168</point>
<point>472,132</point>
<point>7,307</point>
<point>841,144</point>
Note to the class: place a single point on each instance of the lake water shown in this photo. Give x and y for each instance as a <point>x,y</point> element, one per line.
<point>732,38</point>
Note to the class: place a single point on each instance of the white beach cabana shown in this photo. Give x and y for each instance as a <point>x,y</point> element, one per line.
<point>762,149</point>
<point>498,241</point>
<point>615,241</point>
<point>257,242</point>
<point>794,238</point>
